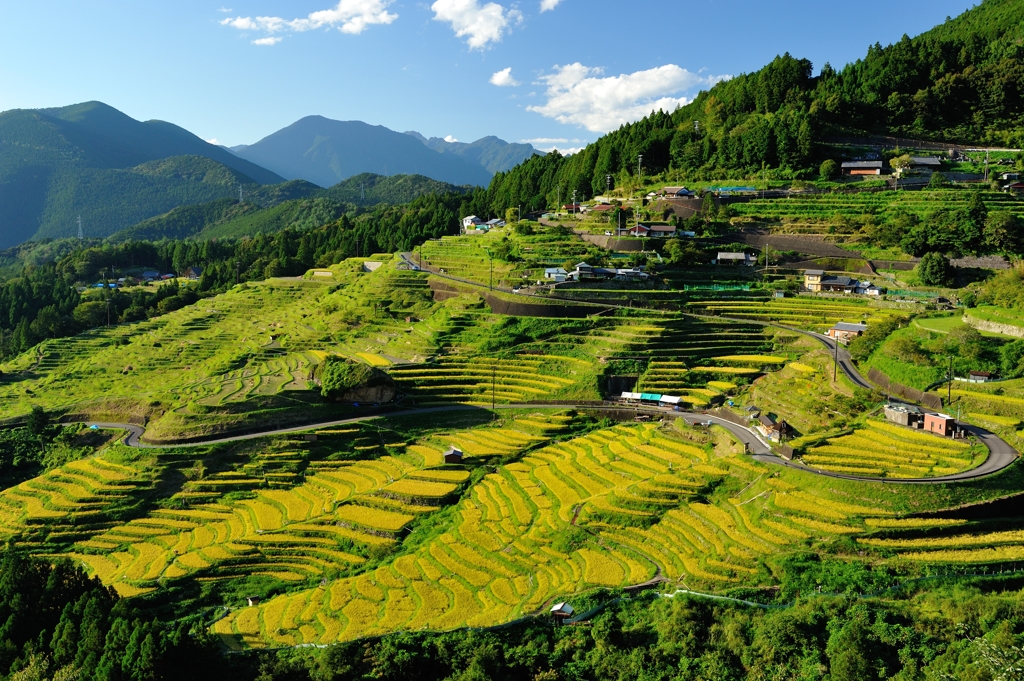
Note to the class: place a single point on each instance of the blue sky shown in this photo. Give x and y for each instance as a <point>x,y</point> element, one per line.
<point>556,72</point>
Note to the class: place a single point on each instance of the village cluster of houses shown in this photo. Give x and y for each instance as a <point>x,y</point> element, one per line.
<point>585,272</point>
<point>818,281</point>
<point>150,276</point>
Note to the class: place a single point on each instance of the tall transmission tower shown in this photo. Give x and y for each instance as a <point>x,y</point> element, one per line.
<point>81,235</point>
<point>240,193</point>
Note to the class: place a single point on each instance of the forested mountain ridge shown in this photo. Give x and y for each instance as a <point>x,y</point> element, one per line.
<point>960,82</point>
<point>296,204</point>
<point>94,161</point>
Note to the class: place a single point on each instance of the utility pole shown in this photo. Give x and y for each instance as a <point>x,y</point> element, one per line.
<point>108,312</point>
<point>240,195</point>
<point>835,366</point>
<point>494,372</point>
<point>986,165</point>
<point>490,281</point>
<point>573,204</point>
<point>81,235</point>
<point>949,386</point>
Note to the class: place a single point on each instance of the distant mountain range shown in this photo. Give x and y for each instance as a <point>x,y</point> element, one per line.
<point>91,160</point>
<point>325,152</point>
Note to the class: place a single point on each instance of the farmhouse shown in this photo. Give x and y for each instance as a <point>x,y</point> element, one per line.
<point>654,231</point>
<point>979,377</point>
<point>471,222</point>
<point>558,274</point>
<point>818,280</point>
<point>845,331</point>
<point>676,191</point>
<point>904,414</point>
<point>193,273</point>
<point>925,163</point>
<point>940,424</point>
<point>491,224</point>
<point>602,208</point>
<point>1016,187</point>
<point>150,275</point>
<point>771,428</point>
<point>862,167</point>
<point>453,455</point>
<point>561,611</point>
<point>734,259</point>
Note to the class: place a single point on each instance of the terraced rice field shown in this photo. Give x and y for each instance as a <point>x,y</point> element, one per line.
<point>635,490</point>
<point>473,380</point>
<point>883,449</point>
<point>805,312</point>
<point>293,529</point>
<point>825,207</point>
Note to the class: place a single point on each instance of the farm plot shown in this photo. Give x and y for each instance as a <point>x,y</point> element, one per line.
<point>804,312</point>
<point>474,380</point>
<point>824,208</point>
<point>883,449</point>
<point>331,522</point>
<point>634,487</point>
<point>70,503</point>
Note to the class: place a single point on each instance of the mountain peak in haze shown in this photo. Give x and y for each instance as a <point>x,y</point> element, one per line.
<point>492,153</point>
<point>326,151</point>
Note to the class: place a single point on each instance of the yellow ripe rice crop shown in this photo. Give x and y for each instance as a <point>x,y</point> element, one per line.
<point>793,501</point>
<point>373,360</point>
<point>722,385</point>
<point>803,368</point>
<point>601,569</point>
<point>442,475</point>
<point>955,541</point>
<point>420,488</point>
<point>373,517</point>
<point>987,555</point>
<point>1003,421</point>
<point>759,359</point>
<point>785,529</point>
<point>820,526</point>
<point>913,523</point>
<point>850,509</point>
<point>739,371</point>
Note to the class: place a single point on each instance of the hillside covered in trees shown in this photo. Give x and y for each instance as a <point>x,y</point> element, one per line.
<point>959,82</point>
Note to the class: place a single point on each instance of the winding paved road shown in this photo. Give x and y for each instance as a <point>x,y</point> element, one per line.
<point>1000,455</point>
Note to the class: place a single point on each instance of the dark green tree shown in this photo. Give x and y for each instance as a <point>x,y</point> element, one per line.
<point>935,270</point>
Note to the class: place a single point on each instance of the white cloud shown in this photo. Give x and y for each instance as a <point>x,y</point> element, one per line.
<point>267,41</point>
<point>577,94</point>
<point>546,5</point>
<point>479,24</point>
<point>552,141</point>
<point>225,10</point>
<point>349,16</point>
<point>213,141</point>
<point>450,139</point>
<point>504,78</point>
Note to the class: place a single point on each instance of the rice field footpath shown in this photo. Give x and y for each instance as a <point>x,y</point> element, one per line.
<point>617,506</point>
